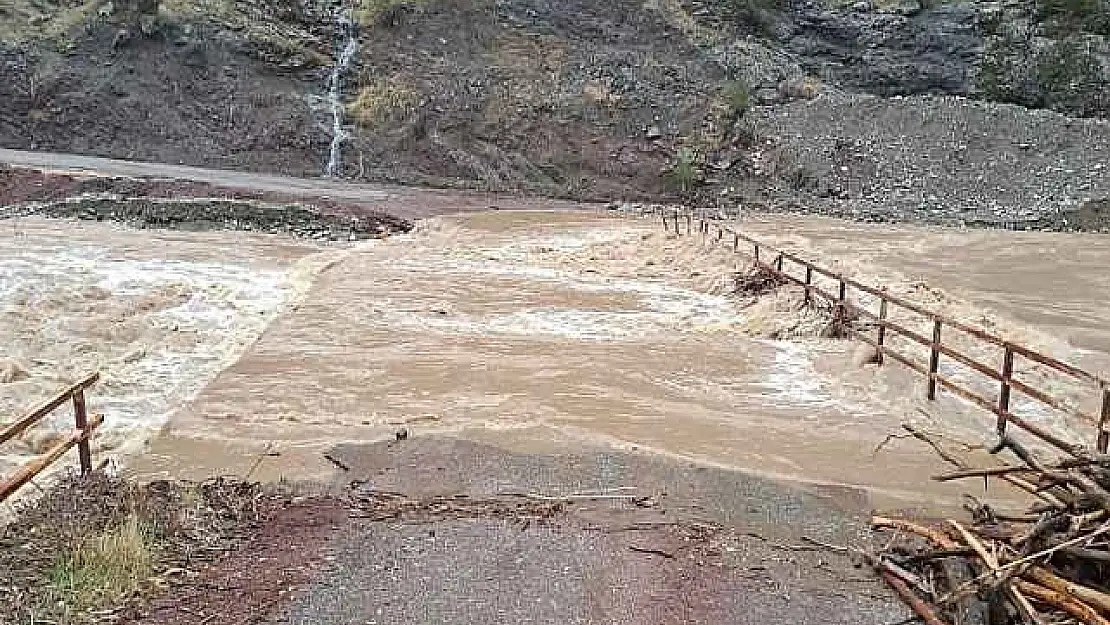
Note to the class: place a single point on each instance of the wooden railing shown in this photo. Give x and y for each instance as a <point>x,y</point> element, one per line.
<point>805,274</point>
<point>79,437</point>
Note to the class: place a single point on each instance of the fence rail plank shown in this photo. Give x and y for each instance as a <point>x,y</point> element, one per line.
<point>36,414</point>
<point>79,437</point>
<point>39,464</point>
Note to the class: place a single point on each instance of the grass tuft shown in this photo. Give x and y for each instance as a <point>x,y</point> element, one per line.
<point>107,567</point>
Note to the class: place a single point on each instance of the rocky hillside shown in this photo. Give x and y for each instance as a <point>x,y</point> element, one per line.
<point>901,108</point>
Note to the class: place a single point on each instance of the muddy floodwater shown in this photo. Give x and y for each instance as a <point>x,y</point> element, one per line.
<point>528,330</point>
<point>158,314</point>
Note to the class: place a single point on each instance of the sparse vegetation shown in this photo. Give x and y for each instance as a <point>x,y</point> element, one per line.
<point>738,98</point>
<point>684,174</point>
<point>757,16</point>
<point>382,12</point>
<point>107,567</point>
<point>1065,75</point>
<point>96,543</point>
<point>380,102</point>
<point>51,21</point>
<point>1075,16</point>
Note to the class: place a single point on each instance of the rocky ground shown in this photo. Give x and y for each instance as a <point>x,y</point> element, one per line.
<point>879,110</point>
<point>940,159</point>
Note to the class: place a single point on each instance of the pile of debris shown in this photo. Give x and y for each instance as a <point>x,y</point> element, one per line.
<point>1050,564</point>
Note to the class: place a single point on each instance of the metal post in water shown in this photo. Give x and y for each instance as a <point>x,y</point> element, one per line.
<point>841,307</point>
<point>809,284</point>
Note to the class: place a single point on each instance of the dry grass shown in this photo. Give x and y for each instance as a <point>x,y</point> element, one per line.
<point>259,23</point>
<point>380,102</point>
<point>369,12</point>
<point>23,21</point>
<point>677,15</point>
<point>107,567</point>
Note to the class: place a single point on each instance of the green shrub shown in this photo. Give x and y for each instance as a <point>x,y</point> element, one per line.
<point>1071,16</point>
<point>738,98</point>
<point>683,175</point>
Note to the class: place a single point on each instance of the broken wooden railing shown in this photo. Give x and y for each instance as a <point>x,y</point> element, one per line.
<point>79,437</point>
<point>805,274</point>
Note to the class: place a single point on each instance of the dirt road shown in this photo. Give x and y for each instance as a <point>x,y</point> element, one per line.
<point>404,202</point>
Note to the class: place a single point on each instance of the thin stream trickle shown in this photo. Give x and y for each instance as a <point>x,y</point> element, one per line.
<point>339,134</point>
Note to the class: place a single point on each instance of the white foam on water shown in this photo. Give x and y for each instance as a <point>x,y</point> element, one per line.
<point>157,330</point>
<point>660,311</point>
<point>791,380</point>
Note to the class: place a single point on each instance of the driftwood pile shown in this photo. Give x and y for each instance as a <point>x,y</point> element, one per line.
<point>1047,565</point>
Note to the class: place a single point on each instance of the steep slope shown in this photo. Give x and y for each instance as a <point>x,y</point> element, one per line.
<point>719,102</point>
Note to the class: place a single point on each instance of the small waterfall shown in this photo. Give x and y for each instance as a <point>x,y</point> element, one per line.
<point>349,29</point>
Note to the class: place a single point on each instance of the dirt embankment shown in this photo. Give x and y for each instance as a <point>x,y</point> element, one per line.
<point>184,205</point>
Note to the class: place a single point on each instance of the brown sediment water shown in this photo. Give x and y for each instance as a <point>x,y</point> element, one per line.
<point>158,313</point>
<point>535,331</point>
<point>1051,288</point>
<point>547,331</point>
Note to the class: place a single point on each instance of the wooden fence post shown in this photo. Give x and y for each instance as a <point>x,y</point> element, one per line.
<point>880,340</point>
<point>934,360</point>
<point>1104,415</point>
<point>842,307</point>
<point>809,284</point>
<point>82,419</point>
<point>1004,389</point>
<point>736,243</point>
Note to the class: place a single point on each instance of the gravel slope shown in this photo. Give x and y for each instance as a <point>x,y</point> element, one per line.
<point>937,159</point>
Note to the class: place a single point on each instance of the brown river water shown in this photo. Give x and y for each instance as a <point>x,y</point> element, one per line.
<point>528,330</point>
